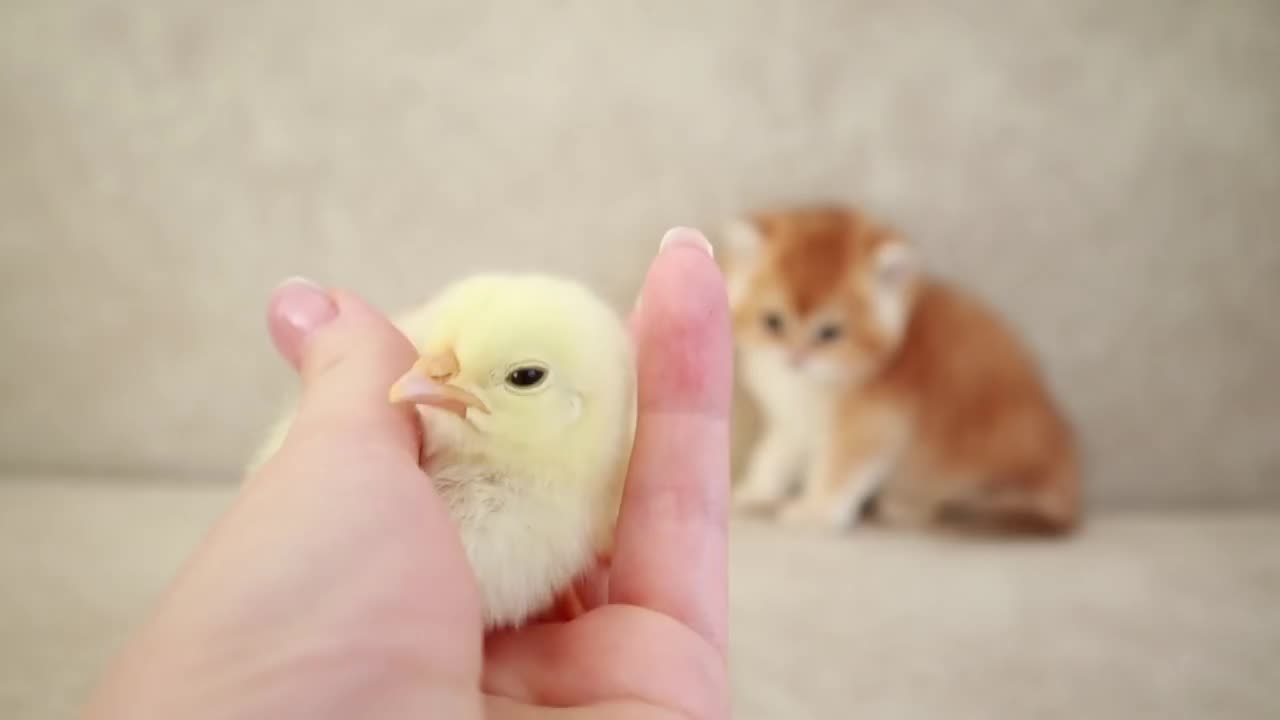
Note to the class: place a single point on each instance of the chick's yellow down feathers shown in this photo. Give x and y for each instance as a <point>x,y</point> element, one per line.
<point>525,386</point>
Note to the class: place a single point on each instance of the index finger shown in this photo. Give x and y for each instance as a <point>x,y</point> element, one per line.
<point>672,536</point>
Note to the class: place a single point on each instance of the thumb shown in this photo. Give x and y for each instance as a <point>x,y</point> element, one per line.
<point>348,355</point>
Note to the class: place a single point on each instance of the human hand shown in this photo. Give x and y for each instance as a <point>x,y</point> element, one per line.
<point>336,585</point>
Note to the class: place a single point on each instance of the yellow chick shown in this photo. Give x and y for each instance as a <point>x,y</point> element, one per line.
<point>526,390</point>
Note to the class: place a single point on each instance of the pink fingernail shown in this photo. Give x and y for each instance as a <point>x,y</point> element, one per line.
<point>299,280</point>
<point>298,308</point>
<point>687,237</point>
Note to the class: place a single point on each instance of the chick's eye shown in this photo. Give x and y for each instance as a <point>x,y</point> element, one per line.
<point>827,333</point>
<point>526,377</point>
<point>773,321</point>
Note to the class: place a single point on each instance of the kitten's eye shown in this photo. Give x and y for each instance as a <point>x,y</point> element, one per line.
<point>526,377</point>
<point>827,333</point>
<point>773,321</point>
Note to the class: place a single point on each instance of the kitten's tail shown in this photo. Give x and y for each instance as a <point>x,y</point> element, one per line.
<point>1050,504</point>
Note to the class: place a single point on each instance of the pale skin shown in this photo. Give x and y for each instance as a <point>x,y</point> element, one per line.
<point>336,586</point>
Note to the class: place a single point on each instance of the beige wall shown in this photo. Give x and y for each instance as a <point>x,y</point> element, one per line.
<point>1107,171</point>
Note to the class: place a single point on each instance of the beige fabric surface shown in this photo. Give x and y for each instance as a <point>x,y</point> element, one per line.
<point>1107,171</point>
<point>1161,616</point>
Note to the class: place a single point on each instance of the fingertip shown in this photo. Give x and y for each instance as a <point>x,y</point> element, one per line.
<point>354,306</point>
<point>297,308</point>
<point>687,237</point>
<point>685,272</point>
<point>683,331</point>
<point>361,335</point>
<point>348,354</point>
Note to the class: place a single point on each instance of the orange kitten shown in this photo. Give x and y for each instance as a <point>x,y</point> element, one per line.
<point>876,380</point>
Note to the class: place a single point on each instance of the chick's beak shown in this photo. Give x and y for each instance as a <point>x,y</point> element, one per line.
<point>427,383</point>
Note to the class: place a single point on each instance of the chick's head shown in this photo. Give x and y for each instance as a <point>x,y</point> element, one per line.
<point>531,366</point>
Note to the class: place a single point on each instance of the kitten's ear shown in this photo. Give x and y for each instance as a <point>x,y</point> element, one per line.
<point>897,265</point>
<point>743,238</point>
<point>896,269</point>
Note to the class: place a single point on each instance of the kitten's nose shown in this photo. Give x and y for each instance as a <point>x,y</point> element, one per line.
<point>796,359</point>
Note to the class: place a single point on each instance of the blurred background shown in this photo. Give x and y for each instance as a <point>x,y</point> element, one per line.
<point>1106,172</point>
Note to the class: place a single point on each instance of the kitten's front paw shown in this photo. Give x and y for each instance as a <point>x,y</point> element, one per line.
<point>806,514</point>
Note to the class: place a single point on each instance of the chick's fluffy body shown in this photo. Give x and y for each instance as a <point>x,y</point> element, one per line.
<point>535,483</point>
